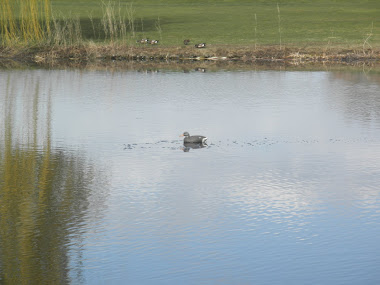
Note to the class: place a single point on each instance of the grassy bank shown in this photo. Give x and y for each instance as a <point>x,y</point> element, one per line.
<point>243,22</point>
<point>235,29</point>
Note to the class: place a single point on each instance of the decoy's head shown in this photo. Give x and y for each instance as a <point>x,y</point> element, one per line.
<point>185,134</point>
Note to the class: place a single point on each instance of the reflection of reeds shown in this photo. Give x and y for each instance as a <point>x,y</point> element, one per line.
<point>42,197</point>
<point>44,192</point>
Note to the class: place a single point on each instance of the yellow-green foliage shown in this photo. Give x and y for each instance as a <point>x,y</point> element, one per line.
<point>24,21</point>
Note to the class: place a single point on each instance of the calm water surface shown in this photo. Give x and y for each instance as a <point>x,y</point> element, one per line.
<point>96,187</point>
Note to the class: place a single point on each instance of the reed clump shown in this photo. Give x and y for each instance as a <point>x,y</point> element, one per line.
<point>114,21</point>
<point>32,22</point>
<point>67,32</point>
<point>24,21</point>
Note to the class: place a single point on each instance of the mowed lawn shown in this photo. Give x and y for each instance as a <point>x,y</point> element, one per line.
<point>302,23</point>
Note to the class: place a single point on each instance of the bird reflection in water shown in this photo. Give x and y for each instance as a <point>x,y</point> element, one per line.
<point>187,146</point>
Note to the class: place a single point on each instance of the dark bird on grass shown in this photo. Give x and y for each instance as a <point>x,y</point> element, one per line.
<point>201,45</point>
<point>186,42</point>
<point>154,42</point>
<point>193,139</point>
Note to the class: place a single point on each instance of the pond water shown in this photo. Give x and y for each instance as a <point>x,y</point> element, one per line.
<point>96,186</point>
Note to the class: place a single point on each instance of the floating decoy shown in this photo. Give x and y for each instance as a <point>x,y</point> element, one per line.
<point>201,45</point>
<point>186,42</point>
<point>154,42</point>
<point>193,139</point>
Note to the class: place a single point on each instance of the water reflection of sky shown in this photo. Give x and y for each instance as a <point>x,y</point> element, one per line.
<point>286,190</point>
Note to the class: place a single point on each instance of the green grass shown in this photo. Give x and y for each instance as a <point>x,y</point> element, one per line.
<point>303,23</point>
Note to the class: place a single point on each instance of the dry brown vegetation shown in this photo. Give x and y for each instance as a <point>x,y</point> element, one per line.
<point>92,52</point>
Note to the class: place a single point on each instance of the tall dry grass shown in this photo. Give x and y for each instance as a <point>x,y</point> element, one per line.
<point>279,24</point>
<point>31,22</point>
<point>255,31</point>
<point>24,21</point>
<point>113,21</point>
<point>28,22</point>
<point>158,27</point>
<point>67,31</point>
<point>118,21</point>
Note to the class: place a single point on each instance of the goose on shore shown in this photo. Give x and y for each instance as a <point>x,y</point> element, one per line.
<point>193,139</point>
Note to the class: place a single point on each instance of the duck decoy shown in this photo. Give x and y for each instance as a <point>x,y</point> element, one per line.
<point>200,69</point>
<point>193,139</point>
<point>143,41</point>
<point>201,45</point>
<point>154,42</point>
